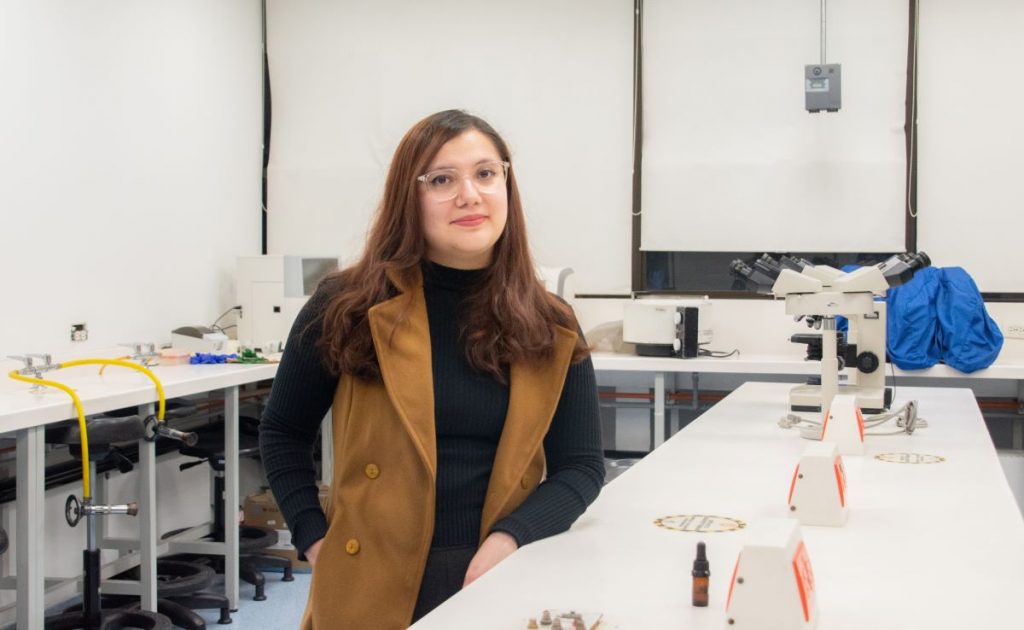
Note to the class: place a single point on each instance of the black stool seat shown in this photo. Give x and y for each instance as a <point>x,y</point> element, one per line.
<point>103,431</point>
<point>211,442</point>
<point>173,408</point>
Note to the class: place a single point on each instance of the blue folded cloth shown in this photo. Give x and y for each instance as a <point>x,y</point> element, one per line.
<point>969,338</point>
<point>201,358</point>
<point>912,328</point>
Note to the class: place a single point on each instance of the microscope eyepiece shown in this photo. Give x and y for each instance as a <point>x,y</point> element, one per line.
<point>899,269</point>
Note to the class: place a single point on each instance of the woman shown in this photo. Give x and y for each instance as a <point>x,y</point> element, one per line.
<point>465,418</point>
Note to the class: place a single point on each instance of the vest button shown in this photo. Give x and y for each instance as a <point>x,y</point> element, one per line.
<point>352,547</point>
<point>372,471</point>
<point>525,482</point>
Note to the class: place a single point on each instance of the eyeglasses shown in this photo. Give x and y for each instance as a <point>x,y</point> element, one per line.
<point>444,184</point>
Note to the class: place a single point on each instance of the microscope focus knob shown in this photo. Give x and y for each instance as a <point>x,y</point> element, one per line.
<point>867,362</point>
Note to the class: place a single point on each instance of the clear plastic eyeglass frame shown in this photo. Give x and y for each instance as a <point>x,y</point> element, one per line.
<point>451,190</point>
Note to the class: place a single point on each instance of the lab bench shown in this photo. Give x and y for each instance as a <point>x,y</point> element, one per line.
<point>928,545</point>
<point>26,414</point>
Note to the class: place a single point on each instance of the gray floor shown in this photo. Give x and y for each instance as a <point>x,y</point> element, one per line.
<point>281,610</point>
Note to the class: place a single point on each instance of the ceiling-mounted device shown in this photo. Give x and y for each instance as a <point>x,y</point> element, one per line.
<point>823,81</point>
<point>822,87</point>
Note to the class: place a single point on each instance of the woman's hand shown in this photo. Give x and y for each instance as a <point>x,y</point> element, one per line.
<point>313,552</point>
<point>496,548</point>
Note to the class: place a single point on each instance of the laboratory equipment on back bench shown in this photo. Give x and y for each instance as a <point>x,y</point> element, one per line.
<point>665,327</point>
<point>271,290</point>
<point>861,348</point>
<point>818,294</point>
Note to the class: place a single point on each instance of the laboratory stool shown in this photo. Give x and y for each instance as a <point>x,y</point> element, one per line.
<point>105,433</point>
<point>180,592</point>
<point>251,540</point>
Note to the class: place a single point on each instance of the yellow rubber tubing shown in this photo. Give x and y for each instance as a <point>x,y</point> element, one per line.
<point>134,366</point>
<point>86,489</point>
<point>116,359</point>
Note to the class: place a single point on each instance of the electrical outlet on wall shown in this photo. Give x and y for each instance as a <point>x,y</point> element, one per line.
<point>79,332</point>
<point>1014,331</point>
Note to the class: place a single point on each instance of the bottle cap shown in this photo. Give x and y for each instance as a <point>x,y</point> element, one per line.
<point>701,567</point>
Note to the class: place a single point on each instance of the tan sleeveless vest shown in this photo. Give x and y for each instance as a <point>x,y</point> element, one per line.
<point>381,514</point>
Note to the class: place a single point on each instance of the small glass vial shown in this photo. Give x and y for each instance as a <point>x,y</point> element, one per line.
<point>700,574</point>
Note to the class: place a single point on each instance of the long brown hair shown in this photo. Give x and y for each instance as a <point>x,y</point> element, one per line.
<point>509,318</point>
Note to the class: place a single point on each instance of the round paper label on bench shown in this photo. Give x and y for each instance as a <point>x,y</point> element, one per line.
<point>701,523</point>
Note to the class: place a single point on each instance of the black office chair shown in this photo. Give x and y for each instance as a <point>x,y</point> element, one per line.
<point>252,540</point>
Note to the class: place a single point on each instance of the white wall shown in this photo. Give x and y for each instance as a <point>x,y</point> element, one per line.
<point>130,166</point>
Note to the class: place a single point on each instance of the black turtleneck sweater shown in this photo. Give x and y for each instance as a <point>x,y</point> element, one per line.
<point>469,413</point>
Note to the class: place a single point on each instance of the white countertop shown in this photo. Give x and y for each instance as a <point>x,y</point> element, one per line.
<point>765,364</point>
<point>926,546</point>
<point>116,388</point>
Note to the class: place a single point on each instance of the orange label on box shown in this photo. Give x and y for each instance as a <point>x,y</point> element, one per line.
<point>804,579</point>
<point>860,423</point>
<point>840,479</point>
<point>732,582</point>
<point>792,485</point>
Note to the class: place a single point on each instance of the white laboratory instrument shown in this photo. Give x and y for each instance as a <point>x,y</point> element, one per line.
<point>667,327</point>
<point>818,294</point>
<point>772,584</point>
<point>271,291</point>
<point>817,492</point>
<point>199,339</point>
<point>843,425</point>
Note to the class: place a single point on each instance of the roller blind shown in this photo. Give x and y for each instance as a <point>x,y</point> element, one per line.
<point>733,161</point>
<point>554,78</point>
<point>969,147</point>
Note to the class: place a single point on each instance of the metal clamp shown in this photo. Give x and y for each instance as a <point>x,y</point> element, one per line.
<point>155,429</point>
<point>31,367</point>
<point>143,352</point>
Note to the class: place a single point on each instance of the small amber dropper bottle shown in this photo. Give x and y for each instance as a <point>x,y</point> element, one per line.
<point>700,577</point>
